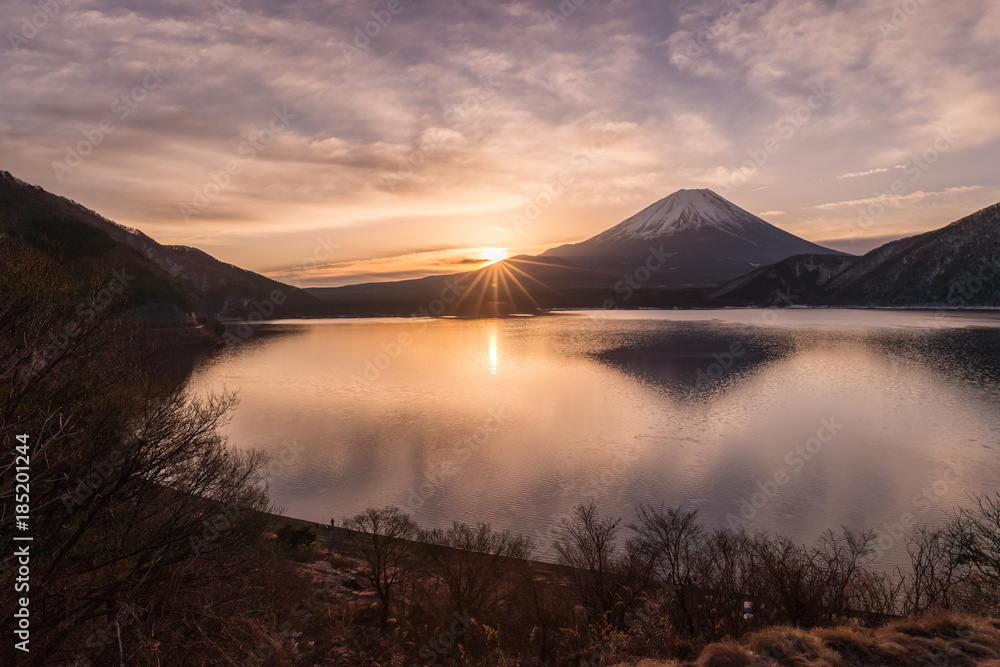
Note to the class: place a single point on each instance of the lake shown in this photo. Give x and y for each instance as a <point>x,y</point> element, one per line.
<point>790,421</point>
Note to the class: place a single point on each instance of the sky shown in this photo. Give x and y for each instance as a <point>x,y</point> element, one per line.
<point>336,142</point>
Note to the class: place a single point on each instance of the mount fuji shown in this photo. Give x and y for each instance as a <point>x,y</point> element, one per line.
<point>706,238</point>
<point>685,245</point>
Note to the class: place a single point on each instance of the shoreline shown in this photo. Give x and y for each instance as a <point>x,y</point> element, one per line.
<point>550,311</point>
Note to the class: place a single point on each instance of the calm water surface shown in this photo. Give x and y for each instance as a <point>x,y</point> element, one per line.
<point>794,420</point>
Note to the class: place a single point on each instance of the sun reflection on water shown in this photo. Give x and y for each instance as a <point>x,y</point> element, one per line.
<point>493,352</point>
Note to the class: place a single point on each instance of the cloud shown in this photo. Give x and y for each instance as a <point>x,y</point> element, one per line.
<point>895,199</point>
<point>857,174</point>
<point>379,269</point>
<point>455,116</point>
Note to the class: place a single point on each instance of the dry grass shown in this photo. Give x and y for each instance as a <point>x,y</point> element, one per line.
<point>725,655</point>
<point>936,640</point>
<point>789,646</point>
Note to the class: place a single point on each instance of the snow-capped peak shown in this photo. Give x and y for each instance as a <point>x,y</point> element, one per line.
<point>684,210</point>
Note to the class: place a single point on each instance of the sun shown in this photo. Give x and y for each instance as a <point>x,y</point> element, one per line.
<point>493,255</point>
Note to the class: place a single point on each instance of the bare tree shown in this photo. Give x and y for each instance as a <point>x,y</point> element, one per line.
<point>477,566</point>
<point>605,579</point>
<point>674,542</point>
<point>976,534</point>
<point>938,571</point>
<point>131,483</point>
<point>732,575</point>
<point>383,539</point>
<point>881,596</point>
<point>840,558</point>
<point>973,538</point>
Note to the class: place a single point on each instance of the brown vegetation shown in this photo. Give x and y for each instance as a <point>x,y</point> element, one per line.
<point>148,533</point>
<point>672,591</point>
<point>938,639</point>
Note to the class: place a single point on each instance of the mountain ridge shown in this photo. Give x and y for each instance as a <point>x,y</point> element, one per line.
<point>710,240</point>
<point>955,266</point>
<point>683,209</point>
<point>651,259</point>
<point>923,269</point>
<point>187,278</point>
